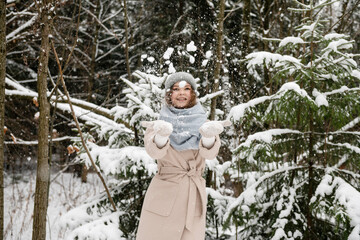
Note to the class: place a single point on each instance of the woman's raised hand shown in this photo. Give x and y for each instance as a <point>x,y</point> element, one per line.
<point>213,128</point>
<point>162,131</point>
<point>160,127</point>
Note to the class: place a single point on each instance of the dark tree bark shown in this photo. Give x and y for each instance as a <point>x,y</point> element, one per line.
<point>93,53</point>
<point>246,25</point>
<point>127,42</point>
<point>219,56</point>
<point>43,167</point>
<point>245,40</point>
<point>2,108</point>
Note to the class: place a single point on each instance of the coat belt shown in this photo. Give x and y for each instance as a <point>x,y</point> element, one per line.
<point>195,185</point>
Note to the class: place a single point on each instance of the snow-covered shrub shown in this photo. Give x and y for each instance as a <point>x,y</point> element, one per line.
<point>292,136</point>
<point>277,210</point>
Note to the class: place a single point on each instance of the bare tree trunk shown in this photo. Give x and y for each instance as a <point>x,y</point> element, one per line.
<point>245,41</point>
<point>211,178</point>
<point>43,167</point>
<point>91,80</point>
<point>2,108</point>
<point>219,57</point>
<point>246,25</point>
<point>93,53</point>
<point>127,41</point>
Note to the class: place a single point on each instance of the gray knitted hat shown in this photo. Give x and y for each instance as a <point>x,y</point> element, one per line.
<point>180,76</point>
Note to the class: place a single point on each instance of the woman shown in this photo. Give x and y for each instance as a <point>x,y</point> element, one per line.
<point>174,207</point>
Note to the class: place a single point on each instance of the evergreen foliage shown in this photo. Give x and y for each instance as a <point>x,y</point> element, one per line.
<point>300,138</point>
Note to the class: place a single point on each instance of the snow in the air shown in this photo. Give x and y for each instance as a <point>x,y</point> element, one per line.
<point>191,59</point>
<point>171,68</point>
<point>151,59</point>
<point>168,53</point>
<point>182,84</point>
<point>191,47</point>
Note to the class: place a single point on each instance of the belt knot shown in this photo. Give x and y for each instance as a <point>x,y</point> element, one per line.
<point>191,172</point>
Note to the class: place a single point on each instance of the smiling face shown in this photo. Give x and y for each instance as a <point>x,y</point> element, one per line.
<point>181,94</point>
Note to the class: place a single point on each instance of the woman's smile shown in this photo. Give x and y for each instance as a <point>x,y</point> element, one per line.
<point>181,95</point>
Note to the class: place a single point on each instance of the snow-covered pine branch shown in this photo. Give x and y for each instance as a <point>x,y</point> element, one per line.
<point>341,198</point>
<point>306,121</point>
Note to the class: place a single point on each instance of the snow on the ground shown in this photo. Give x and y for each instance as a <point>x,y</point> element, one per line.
<point>66,192</point>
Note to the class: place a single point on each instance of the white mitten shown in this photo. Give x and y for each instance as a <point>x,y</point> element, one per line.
<point>210,129</point>
<point>213,128</point>
<point>162,131</point>
<point>160,127</point>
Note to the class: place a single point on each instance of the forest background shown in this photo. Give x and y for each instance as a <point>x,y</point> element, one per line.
<point>285,73</point>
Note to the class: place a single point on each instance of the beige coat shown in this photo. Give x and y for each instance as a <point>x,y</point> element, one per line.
<point>174,207</point>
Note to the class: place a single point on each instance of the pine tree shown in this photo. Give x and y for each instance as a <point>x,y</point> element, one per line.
<point>299,144</point>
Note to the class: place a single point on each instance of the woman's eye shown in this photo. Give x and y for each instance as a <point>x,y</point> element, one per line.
<point>175,89</point>
<point>188,89</point>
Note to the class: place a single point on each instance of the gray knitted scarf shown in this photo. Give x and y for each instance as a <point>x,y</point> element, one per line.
<point>186,123</point>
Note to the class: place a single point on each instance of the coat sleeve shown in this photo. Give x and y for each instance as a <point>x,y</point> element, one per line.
<point>212,152</point>
<point>150,146</point>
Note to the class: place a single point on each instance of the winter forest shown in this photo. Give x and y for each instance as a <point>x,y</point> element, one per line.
<point>78,76</point>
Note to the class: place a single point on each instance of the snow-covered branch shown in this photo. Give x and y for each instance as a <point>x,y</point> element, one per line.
<point>14,34</point>
<point>23,142</point>
<point>249,196</point>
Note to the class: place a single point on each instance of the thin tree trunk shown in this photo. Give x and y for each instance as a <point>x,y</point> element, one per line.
<point>266,21</point>
<point>309,220</point>
<point>246,25</point>
<point>245,41</point>
<point>311,157</point>
<point>93,53</point>
<point>2,108</point>
<point>80,132</point>
<point>43,168</point>
<point>220,39</point>
<point>265,24</point>
<point>181,7</point>
<point>127,41</point>
<point>84,170</point>
<point>342,24</point>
